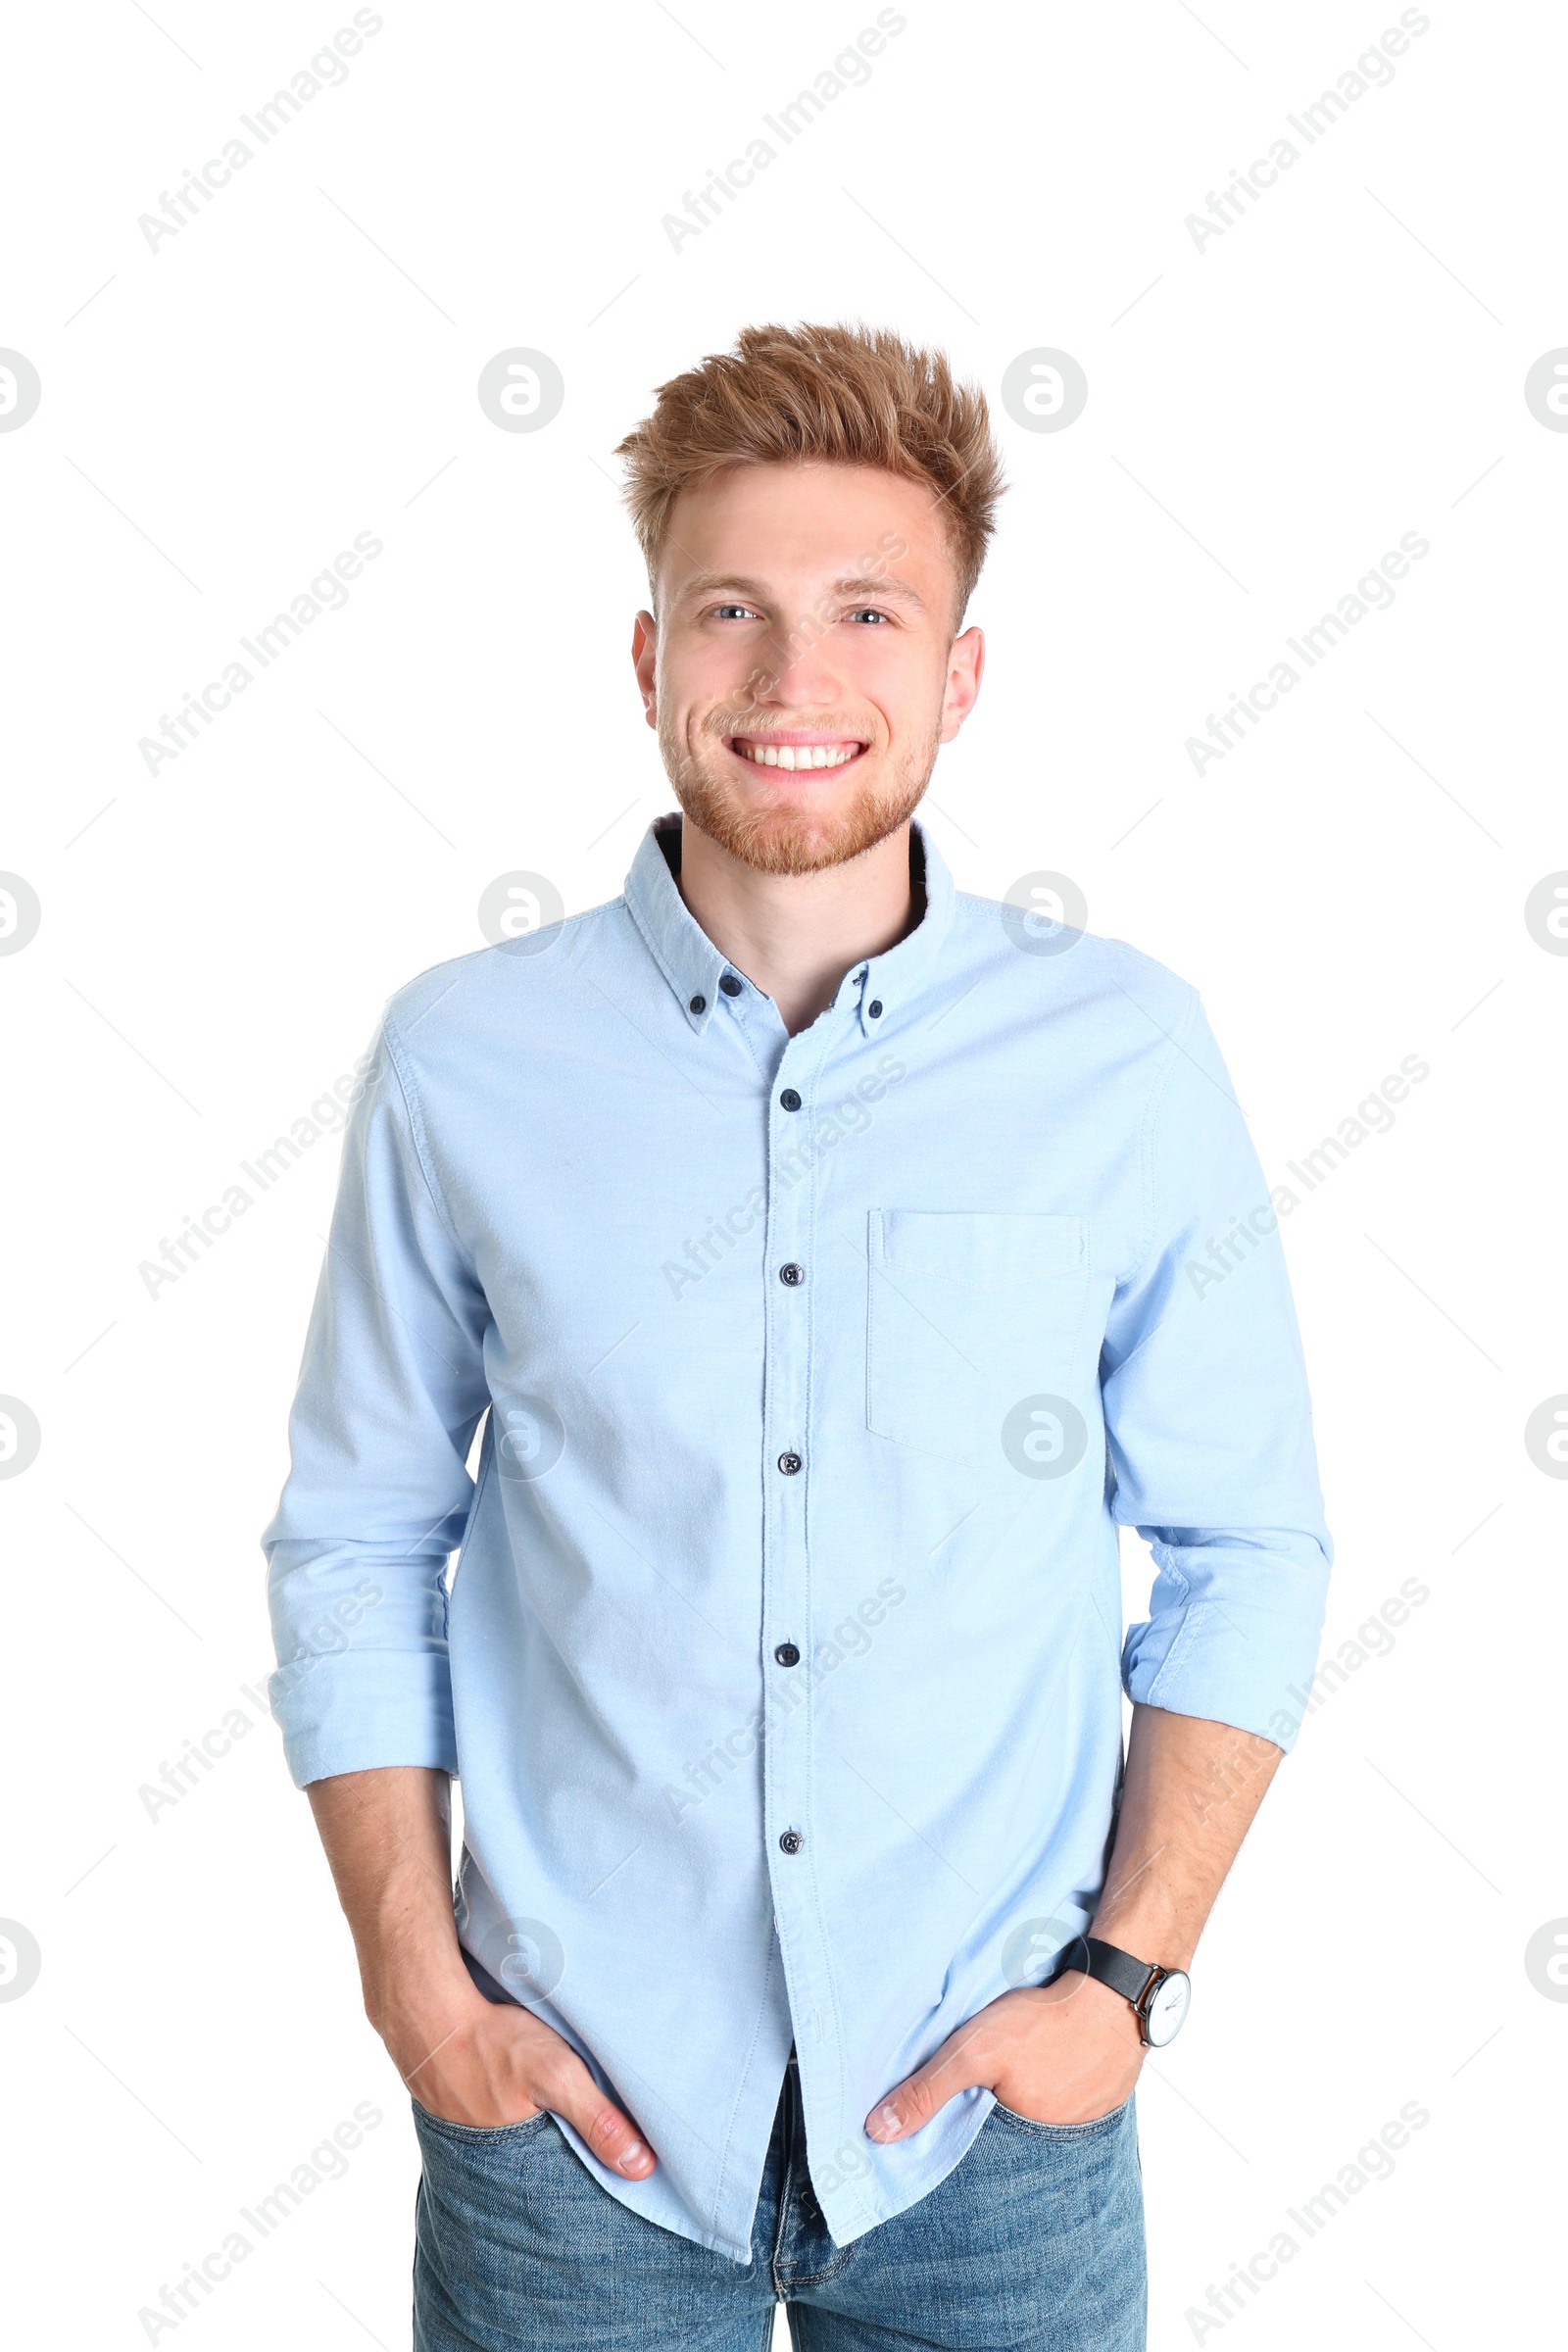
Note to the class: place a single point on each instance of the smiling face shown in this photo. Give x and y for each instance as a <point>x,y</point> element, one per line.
<point>802,671</point>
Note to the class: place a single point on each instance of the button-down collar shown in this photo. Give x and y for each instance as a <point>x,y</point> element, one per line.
<point>694,966</point>
<point>675,939</point>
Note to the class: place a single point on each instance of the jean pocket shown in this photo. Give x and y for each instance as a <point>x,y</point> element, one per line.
<point>969,1314</point>
<point>481,2135</point>
<point>1096,2123</point>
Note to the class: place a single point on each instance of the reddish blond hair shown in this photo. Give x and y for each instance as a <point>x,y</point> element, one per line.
<point>838,395</point>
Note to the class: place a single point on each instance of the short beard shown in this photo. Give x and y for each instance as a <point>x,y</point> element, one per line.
<point>788,841</point>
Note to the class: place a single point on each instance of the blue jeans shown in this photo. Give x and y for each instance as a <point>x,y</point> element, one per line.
<point>1033,2243</point>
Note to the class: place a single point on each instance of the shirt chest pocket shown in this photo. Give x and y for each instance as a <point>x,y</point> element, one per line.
<point>968,1313</point>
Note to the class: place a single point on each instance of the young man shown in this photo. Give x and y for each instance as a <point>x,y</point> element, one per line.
<point>840,1260</point>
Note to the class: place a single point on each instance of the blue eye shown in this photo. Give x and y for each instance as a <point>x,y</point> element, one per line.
<point>727,611</point>
<point>868,613</point>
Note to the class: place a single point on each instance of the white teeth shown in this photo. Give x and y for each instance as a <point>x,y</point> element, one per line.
<point>789,755</point>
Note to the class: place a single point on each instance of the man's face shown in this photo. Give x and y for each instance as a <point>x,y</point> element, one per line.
<point>803,670</point>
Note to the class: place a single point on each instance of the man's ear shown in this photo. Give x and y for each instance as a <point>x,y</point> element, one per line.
<point>645,661</point>
<point>966,661</point>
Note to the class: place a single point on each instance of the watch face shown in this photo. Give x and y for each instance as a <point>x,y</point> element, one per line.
<point>1162,2019</point>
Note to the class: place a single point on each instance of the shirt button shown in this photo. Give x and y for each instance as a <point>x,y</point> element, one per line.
<point>787,1654</point>
<point>698,1004</point>
<point>790,1099</point>
<point>730,985</point>
<point>792,1841</point>
<point>789,1463</point>
<point>874,1010</point>
<point>792,1274</point>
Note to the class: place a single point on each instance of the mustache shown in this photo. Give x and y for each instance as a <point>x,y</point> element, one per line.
<point>748,719</point>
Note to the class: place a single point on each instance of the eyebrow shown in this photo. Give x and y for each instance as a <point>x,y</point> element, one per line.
<point>866,584</point>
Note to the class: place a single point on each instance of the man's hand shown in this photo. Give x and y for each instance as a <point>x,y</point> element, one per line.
<point>388,1837</point>
<point>494,2064</point>
<point>1061,2053</point>
<point>1067,2052</point>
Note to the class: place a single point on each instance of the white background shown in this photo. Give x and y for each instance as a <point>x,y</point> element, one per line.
<point>1266,417</point>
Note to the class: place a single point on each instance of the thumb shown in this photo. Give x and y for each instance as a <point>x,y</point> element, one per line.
<point>956,2065</point>
<point>610,2134</point>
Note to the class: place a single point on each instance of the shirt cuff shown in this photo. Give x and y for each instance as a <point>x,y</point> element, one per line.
<point>360,1712</point>
<point>1227,1661</point>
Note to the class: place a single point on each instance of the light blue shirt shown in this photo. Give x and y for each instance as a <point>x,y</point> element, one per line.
<point>851,1348</point>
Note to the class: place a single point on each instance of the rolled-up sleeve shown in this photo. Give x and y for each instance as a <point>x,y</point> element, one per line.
<point>1208,1422</point>
<point>391,1391</point>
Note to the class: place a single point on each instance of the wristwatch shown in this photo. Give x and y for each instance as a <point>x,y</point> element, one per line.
<point>1160,1997</point>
